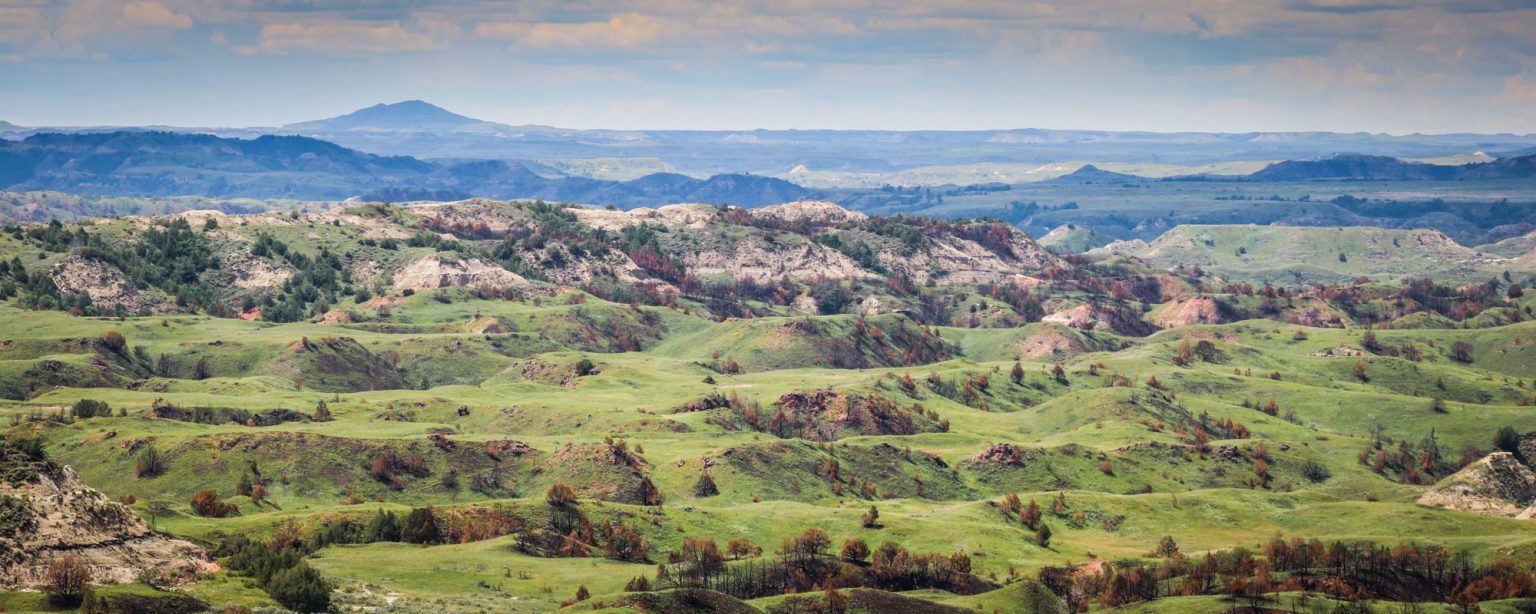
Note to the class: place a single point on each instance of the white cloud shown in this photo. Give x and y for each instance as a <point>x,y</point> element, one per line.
<point>151,16</point>
<point>619,30</point>
<point>346,37</point>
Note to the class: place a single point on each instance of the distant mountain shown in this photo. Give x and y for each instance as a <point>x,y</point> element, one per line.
<point>1349,166</point>
<point>408,116</point>
<point>422,130</point>
<point>172,164</point>
<point>166,164</point>
<point>1519,153</point>
<point>1353,166</point>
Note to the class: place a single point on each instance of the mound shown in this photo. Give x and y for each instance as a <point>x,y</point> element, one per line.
<point>828,415</point>
<point>841,342</point>
<point>1496,485</point>
<point>795,470</point>
<point>1118,248</point>
<point>1074,239</point>
<point>604,471</point>
<point>488,325</point>
<point>32,364</point>
<point>813,211</point>
<point>477,218</point>
<point>335,364</point>
<point>46,512</point>
<point>1090,316</point>
<point>1057,342</point>
<point>1188,311</point>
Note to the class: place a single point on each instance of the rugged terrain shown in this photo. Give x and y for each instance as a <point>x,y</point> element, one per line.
<point>482,405</point>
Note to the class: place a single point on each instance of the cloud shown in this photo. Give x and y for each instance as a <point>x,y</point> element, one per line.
<point>619,30</point>
<point>22,26</point>
<point>350,37</point>
<point>1519,91</point>
<point>151,16</point>
<point>1454,61</point>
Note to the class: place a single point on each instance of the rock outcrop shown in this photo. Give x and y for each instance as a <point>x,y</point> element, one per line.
<point>1496,485</point>
<point>813,211</point>
<point>755,258</point>
<point>436,272</point>
<point>54,514</point>
<point>1089,316</point>
<point>1185,312</point>
<point>105,284</point>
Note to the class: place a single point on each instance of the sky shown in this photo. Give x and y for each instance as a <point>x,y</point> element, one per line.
<point>1395,66</point>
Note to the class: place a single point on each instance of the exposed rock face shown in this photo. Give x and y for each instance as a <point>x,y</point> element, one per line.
<point>58,515</point>
<point>814,211</point>
<point>105,284</point>
<point>1089,316</point>
<point>682,215</point>
<point>1185,312</point>
<point>755,258</point>
<point>255,273</point>
<point>435,272</point>
<point>1496,485</point>
<point>1001,454</point>
<point>1119,248</point>
<point>952,260</point>
<point>1316,313</point>
<point>478,217</point>
<point>1053,343</point>
<point>562,266</point>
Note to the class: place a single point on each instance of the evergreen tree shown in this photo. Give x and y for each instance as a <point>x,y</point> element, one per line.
<point>420,527</point>
<point>300,588</point>
<point>384,527</point>
<point>705,486</point>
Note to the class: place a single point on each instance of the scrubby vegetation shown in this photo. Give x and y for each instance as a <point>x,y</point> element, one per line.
<point>486,406</point>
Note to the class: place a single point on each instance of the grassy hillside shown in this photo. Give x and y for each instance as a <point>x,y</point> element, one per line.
<point>1287,255</point>
<point>558,439</point>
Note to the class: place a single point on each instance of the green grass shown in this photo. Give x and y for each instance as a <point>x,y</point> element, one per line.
<point>520,386</point>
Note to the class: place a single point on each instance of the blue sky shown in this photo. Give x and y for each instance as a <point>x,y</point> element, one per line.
<point>1397,66</point>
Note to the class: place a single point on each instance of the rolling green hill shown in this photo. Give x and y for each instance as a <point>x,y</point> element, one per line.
<point>1289,255</point>
<point>491,406</point>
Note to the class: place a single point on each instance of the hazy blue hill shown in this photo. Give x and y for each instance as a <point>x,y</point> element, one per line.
<point>408,116</point>
<point>1353,166</point>
<point>133,163</point>
<point>1093,174</point>
<point>1528,151</point>
<point>1350,166</point>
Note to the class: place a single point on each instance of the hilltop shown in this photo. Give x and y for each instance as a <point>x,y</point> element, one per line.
<point>407,116</point>
<point>1074,239</point>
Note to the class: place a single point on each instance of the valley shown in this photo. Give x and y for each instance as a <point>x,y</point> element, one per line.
<point>514,406</point>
